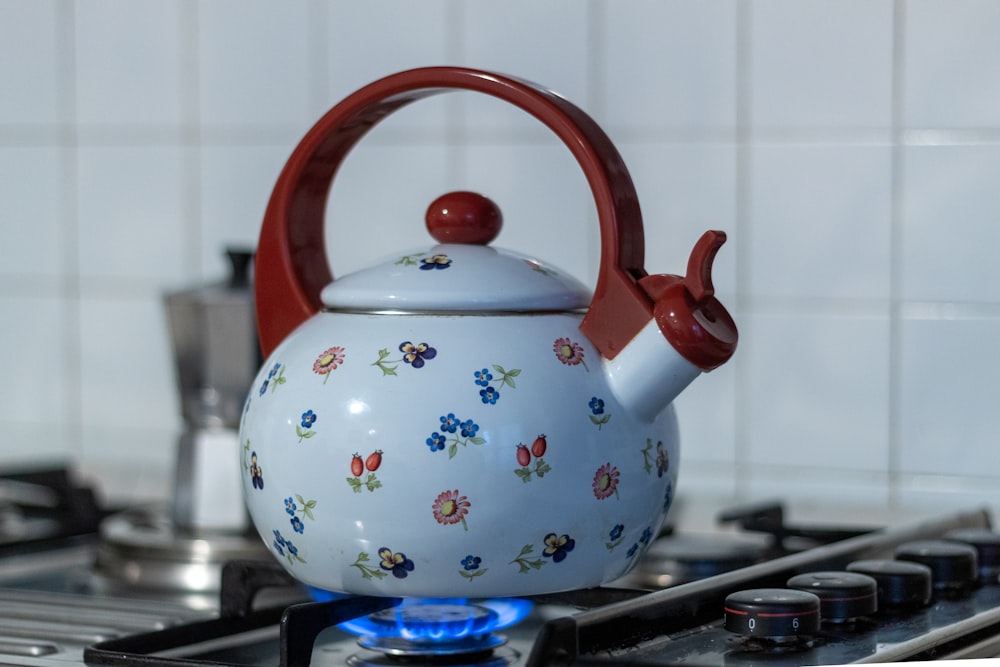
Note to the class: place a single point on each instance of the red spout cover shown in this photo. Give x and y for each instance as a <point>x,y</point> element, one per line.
<point>689,316</point>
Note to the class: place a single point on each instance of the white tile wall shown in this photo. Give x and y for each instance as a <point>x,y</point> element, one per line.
<point>849,149</point>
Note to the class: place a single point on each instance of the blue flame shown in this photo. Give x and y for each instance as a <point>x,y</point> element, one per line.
<point>429,620</point>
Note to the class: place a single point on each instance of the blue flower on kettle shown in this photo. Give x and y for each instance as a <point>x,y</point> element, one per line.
<point>469,428</point>
<point>449,423</point>
<point>483,377</point>
<point>274,377</point>
<point>436,442</point>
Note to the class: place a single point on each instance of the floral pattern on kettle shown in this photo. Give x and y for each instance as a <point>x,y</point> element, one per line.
<point>472,567</point>
<point>490,393</point>
<point>435,262</point>
<point>569,352</point>
<point>415,355</point>
<point>396,564</point>
<point>366,570</point>
<point>597,415</point>
<point>644,539</point>
<point>606,482</point>
<point>615,536</point>
<point>304,428</point>
<point>523,456</point>
<point>296,506</point>
<point>410,260</point>
<point>455,432</point>
<point>660,460</point>
<point>328,361</point>
<point>275,377</point>
<point>286,548</point>
<point>256,474</point>
<point>425,263</point>
<point>358,467</point>
<point>555,547</point>
<point>450,508</point>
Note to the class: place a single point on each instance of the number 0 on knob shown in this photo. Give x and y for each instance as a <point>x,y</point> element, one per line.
<point>772,613</point>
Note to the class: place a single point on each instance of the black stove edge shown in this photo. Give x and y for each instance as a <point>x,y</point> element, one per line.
<point>298,632</point>
<point>140,649</point>
<point>976,637</point>
<point>590,637</point>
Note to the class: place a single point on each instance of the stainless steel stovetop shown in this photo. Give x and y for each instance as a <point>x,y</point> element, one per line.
<point>56,609</point>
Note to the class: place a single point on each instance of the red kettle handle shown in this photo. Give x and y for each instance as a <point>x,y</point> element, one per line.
<point>291,263</point>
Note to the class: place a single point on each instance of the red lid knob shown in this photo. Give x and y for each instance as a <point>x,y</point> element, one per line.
<point>463,217</point>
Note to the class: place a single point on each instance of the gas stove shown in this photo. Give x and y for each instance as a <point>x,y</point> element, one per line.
<point>763,593</point>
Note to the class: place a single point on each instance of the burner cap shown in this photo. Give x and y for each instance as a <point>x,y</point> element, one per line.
<point>685,557</point>
<point>142,549</point>
<point>433,629</point>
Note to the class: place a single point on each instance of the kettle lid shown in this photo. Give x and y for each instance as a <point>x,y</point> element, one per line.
<point>460,274</point>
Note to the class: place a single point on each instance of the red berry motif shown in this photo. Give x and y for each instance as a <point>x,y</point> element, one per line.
<point>357,466</point>
<point>538,446</point>
<point>374,460</point>
<point>523,455</point>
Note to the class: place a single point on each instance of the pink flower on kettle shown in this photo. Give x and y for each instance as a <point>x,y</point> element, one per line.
<point>450,508</point>
<point>606,481</point>
<point>569,352</point>
<point>328,361</point>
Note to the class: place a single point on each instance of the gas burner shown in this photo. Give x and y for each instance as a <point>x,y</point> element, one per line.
<point>683,557</point>
<point>439,630</point>
<point>141,550</point>
<point>433,629</point>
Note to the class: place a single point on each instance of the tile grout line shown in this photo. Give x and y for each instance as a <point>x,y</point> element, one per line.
<point>70,295</point>
<point>894,451</point>
<point>741,412</point>
<point>190,35</point>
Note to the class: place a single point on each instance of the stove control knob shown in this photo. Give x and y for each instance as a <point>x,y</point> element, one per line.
<point>987,546</point>
<point>901,584</point>
<point>954,567</point>
<point>842,595</point>
<point>772,613</point>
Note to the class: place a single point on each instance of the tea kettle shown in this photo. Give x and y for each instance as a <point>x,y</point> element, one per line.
<point>463,420</point>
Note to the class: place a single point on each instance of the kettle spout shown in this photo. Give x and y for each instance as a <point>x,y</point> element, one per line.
<point>689,332</point>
